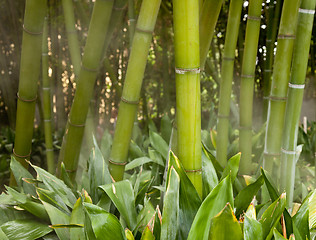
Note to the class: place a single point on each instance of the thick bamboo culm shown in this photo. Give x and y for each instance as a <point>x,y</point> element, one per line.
<point>247,84</point>
<point>295,97</point>
<point>132,87</point>
<point>227,72</point>
<point>35,11</point>
<point>47,106</point>
<point>188,99</point>
<point>279,86</point>
<point>131,20</point>
<point>208,19</point>
<point>85,86</point>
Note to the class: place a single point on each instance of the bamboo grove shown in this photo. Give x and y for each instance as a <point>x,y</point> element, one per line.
<point>229,74</point>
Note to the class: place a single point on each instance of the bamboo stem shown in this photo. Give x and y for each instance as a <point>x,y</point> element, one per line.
<point>295,97</point>
<point>247,84</point>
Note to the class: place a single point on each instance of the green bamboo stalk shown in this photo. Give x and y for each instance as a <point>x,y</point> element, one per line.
<point>90,62</point>
<point>188,99</point>
<point>131,90</point>
<point>131,20</point>
<point>274,13</point>
<point>208,20</point>
<point>279,85</point>
<point>247,84</point>
<point>227,79</point>
<point>47,108</point>
<point>295,97</point>
<point>35,11</point>
<point>73,43</point>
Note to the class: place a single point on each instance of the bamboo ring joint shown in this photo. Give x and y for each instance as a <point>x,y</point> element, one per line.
<point>47,120</point>
<point>132,20</point>
<point>297,86</point>
<point>75,125</point>
<point>275,98</point>
<point>45,88</point>
<point>185,70</point>
<point>272,154</point>
<point>288,152</point>
<point>247,76</point>
<point>254,18</point>
<point>26,100</point>
<point>144,30</point>
<point>193,170</point>
<point>30,32</point>
<point>128,101</point>
<point>267,70</point>
<point>89,69</point>
<point>21,156</point>
<point>117,163</point>
<point>306,11</point>
<point>228,58</point>
<point>49,150</point>
<point>286,36</point>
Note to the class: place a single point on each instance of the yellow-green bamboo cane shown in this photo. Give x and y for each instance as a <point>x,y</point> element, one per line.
<point>131,20</point>
<point>188,99</point>
<point>227,79</point>
<point>295,97</point>
<point>247,84</point>
<point>279,86</point>
<point>47,108</point>
<point>132,86</point>
<point>35,11</point>
<point>85,85</point>
<point>208,19</point>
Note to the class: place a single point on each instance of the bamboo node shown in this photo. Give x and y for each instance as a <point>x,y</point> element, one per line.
<point>44,54</point>
<point>228,58</point>
<point>21,156</point>
<point>128,101</point>
<point>288,152</point>
<point>144,30</point>
<point>254,18</point>
<point>275,98</point>
<point>296,86</point>
<point>286,36</point>
<point>89,69</point>
<point>46,88</point>
<point>222,116</point>
<point>272,154</point>
<point>117,163</point>
<point>132,20</point>
<point>49,150</point>
<point>269,40</point>
<point>47,120</point>
<point>247,76</point>
<point>75,125</point>
<point>185,70</point>
<point>267,70</point>
<point>193,170</point>
<point>30,32</point>
<point>306,11</point>
<point>26,100</point>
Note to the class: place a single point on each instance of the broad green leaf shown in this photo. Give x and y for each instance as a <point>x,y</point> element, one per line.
<point>292,237</point>
<point>58,217</point>
<point>157,224</point>
<point>19,173</point>
<point>277,235</point>
<point>147,234</point>
<point>272,216</point>
<point>29,204</point>
<point>166,127</point>
<point>155,156</point>
<point>189,199</point>
<point>98,172</point>
<point>77,217</point>
<point>122,195</point>
<point>129,234</point>
<point>53,199</point>
<point>105,145</point>
<point>135,150</point>
<point>64,176</point>
<point>245,196</point>
<point>232,167</point>
<point>225,226</point>
<point>152,126</point>
<point>212,205</point>
<point>206,140</point>
<point>170,214</point>
<point>2,235</point>
<point>8,213</point>
<point>213,137</point>
<point>209,176</point>
<point>219,169</point>
<point>142,191</point>
<point>25,229</point>
<point>71,225</point>
<point>105,225</point>
<point>312,211</point>
<point>145,215</point>
<point>301,219</point>
<point>158,143</point>
<point>56,185</point>
<point>137,163</point>
<point>252,228</point>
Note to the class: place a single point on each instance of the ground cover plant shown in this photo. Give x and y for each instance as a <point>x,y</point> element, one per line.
<point>157,119</point>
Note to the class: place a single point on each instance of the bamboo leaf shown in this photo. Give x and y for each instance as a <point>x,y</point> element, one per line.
<point>145,215</point>
<point>232,167</point>
<point>53,199</point>
<point>225,226</point>
<point>159,144</point>
<point>212,205</point>
<point>77,217</point>
<point>19,173</point>
<point>129,234</point>
<point>209,176</point>
<point>272,215</point>
<point>9,214</point>
<point>252,228</point>
<point>189,200</point>
<point>135,150</point>
<point>245,196</point>
<point>2,235</point>
<point>105,145</point>
<point>64,176</point>
<point>157,224</point>
<point>165,127</point>
<point>105,225</point>
<point>277,235</point>
<point>147,234</point>
<point>137,162</point>
<point>312,211</point>
<point>122,195</point>
<point>170,214</point>
<point>25,229</point>
<point>301,219</point>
